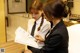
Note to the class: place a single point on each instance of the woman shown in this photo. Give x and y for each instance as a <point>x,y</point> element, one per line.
<point>57,39</point>
<point>38,26</point>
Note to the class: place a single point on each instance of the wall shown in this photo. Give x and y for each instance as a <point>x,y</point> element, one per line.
<point>76,8</point>
<point>15,20</point>
<point>2,22</point>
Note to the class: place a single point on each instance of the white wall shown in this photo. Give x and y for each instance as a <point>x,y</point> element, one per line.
<point>15,20</point>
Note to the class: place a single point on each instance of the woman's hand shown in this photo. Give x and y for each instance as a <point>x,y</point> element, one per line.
<point>39,38</point>
<point>28,51</point>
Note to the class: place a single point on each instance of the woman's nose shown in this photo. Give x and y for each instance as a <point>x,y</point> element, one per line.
<point>33,15</point>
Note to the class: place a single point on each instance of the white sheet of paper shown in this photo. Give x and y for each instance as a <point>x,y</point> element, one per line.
<point>23,37</point>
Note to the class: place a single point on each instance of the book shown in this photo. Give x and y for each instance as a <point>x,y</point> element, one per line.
<point>23,37</point>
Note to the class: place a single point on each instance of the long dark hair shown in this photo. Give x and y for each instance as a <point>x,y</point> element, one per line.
<point>55,8</point>
<point>37,5</point>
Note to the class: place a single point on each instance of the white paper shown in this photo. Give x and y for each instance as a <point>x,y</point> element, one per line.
<point>23,37</point>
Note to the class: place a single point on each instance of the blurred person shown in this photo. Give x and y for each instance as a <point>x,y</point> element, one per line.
<point>38,25</point>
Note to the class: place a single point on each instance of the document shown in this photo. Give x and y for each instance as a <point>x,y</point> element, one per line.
<point>23,37</point>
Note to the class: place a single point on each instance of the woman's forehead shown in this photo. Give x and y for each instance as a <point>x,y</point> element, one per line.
<point>34,10</point>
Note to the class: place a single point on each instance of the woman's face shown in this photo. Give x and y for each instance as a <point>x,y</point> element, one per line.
<point>35,14</point>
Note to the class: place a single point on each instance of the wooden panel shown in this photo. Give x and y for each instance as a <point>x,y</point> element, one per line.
<point>2,22</point>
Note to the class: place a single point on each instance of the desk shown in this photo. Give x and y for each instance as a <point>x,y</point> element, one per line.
<point>12,47</point>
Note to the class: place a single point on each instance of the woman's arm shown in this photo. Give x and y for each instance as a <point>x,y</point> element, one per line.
<point>49,46</point>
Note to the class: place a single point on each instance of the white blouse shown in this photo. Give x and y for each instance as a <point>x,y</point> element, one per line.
<point>44,28</point>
